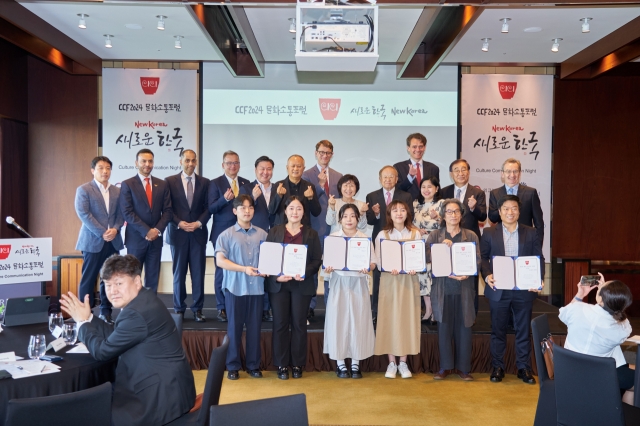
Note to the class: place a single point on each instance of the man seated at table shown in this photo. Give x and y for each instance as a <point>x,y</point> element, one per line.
<point>154,384</point>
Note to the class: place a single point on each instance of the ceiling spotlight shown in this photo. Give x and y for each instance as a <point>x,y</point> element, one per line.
<point>505,25</point>
<point>585,24</point>
<point>107,41</point>
<point>82,24</point>
<point>178,44</point>
<point>292,27</point>
<point>160,22</point>
<point>485,44</point>
<point>556,44</point>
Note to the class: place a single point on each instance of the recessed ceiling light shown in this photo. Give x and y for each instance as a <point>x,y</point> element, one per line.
<point>585,24</point>
<point>134,26</point>
<point>556,44</point>
<point>107,41</point>
<point>505,25</point>
<point>178,44</point>
<point>82,23</point>
<point>485,44</point>
<point>532,30</point>
<point>161,19</point>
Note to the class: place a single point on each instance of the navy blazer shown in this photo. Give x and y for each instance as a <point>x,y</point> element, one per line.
<point>199,210</point>
<point>276,204</point>
<point>92,211</point>
<point>139,216</point>
<point>470,218</point>
<point>377,197</point>
<point>319,223</point>
<point>428,169</point>
<point>530,212</point>
<point>261,216</point>
<point>492,244</point>
<point>219,207</point>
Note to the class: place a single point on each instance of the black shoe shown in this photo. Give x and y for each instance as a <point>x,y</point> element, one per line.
<point>342,373</point>
<point>197,315</point>
<point>233,375</point>
<point>179,313</point>
<point>222,315</point>
<point>310,314</point>
<point>283,373</point>
<point>355,372</point>
<point>497,374</point>
<point>267,316</point>
<point>526,376</point>
<point>255,373</point>
<point>296,372</point>
<point>106,318</point>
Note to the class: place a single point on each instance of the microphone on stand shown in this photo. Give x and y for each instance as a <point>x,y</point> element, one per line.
<point>11,221</point>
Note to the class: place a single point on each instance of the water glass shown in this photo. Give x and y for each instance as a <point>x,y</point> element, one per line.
<point>55,319</point>
<point>37,346</point>
<point>70,333</point>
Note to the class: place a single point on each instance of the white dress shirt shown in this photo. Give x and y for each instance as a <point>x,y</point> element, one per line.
<point>105,193</point>
<point>266,191</point>
<point>144,184</point>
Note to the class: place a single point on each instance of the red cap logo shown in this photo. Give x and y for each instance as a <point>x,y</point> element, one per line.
<point>329,108</point>
<point>149,85</point>
<point>4,251</point>
<point>507,89</point>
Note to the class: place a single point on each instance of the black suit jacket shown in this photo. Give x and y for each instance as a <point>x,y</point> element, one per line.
<point>276,204</point>
<point>428,169</point>
<point>530,212</point>
<point>314,259</point>
<point>199,210</point>
<point>492,244</point>
<point>154,384</point>
<point>470,218</point>
<point>377,197</point>
<point>219,207</point>
<point>139,216</point>
<point>261,216</point>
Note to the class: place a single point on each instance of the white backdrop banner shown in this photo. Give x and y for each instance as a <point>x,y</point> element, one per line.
<point>505,116</point>
<point>25,260</point>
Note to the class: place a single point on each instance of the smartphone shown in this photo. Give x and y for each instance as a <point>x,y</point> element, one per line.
<point>51,358</point>
<point>590,280</point>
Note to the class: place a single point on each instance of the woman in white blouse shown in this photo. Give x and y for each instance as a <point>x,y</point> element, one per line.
<point>348,187</point>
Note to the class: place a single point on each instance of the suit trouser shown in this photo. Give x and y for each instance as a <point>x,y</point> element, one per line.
<point>91,265</point>
<point>376,291</point>
<point>217,281</point>
<point>289,309</point>
<point>243,310</point>
<point>149,256</point>
<point>520,302</point>
<point>193,256</point>
<point>452,327</point>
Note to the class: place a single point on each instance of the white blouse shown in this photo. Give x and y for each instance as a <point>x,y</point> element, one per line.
<point>332,215</point>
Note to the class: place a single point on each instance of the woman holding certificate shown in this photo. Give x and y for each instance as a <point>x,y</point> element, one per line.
<point>290,295</point>
<point>398,331</point>
<point>348,187</point>
<point>452,296</point>
<point>426,217</point>
<point>348,330</point>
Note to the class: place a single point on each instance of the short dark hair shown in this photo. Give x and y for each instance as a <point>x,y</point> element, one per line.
<point>98,159</point>
<point>459,160</point>
<point>120,265</point>
<point>346,178</point>
<point>435,182</point>
<point>144,151</point>
<point>226,153</point>
<point>293,198</point>
<point>240,199</point>
<point>408,222</point>
<point>324,143</point>
<point>264,158</point>
<point>616,298</point>
<point>184,151</point>
<point>506,198</point>
<point>346,207</point>
<point>422,138</point>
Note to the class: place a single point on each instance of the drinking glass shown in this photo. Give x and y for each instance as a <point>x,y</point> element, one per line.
<point>37,346</point>
<point>55,319</point>
<point>70,333</point>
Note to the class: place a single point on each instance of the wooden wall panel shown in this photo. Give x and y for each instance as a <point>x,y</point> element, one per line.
<point>573,270</point>
<point>13,81</point>
<point>13,176</point>
<point>596,210</point>
<point>63,138</point>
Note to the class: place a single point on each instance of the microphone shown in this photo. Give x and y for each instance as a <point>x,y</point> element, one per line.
<point>11,221</point>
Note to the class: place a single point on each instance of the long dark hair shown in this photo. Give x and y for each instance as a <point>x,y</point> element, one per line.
<point>435,182</point>
<point>616,298</point>
<point>408,222</point>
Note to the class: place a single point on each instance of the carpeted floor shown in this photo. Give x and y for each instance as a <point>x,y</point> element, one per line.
<point>375,400</point>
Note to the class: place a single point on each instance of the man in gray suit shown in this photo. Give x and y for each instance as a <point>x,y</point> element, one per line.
<point>98,208</point>
<point>325,180</point>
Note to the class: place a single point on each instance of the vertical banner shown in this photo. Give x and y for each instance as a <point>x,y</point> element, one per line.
<point>154,109</point>
<point>505,116</point>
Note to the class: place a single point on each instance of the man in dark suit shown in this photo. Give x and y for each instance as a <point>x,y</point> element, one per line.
<point>153,384</point>
<point>376,216</point>
<point>412,171</point>
<point>510,238</point>
<point>187,233</point>
<point>222,191</point>
<point>260,190</point>
<point>97,207</point>
<point>531,212</point>
<point>145,203</point>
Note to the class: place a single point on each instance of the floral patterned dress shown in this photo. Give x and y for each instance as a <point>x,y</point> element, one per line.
<point>422,220</point>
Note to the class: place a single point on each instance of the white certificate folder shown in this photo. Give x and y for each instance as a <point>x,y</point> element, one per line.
<point>347,253</point>
<point>459,260</point>
<point>403,256</point>
<point>517,272</point>
<point>280,259</point>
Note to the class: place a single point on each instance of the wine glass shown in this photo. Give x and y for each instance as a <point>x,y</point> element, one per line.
<point>70,333</point>
<point>55,320</point>
<point>37,346</point>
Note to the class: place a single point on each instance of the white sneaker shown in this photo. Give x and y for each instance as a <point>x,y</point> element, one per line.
<point>392,369</point>
<point>404,370</point>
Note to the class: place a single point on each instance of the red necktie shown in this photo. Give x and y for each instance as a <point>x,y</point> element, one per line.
<point>418,175</point>
<point>326,185</point>
<point>148,191</point>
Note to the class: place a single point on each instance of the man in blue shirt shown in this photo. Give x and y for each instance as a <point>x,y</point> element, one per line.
<point>237,250</point>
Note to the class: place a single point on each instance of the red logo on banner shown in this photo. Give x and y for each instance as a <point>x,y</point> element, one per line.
<point>149,85</point>
<point>4,251</point>
<point>329,108</point>
<point>507,89</point>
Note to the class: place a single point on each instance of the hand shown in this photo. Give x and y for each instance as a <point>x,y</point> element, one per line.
<point>332,202</point>
<point>109,234</point>
<point>281,190</point>
<point>228,195</point>
<point>413,170</point>
<point>328,269</point>
<point>298,278</point>
<point>284,278</point>
<point>184,226</point>
<point>251,271</point>
<point>395,272</point>
<point>490,282</point>
<point>433,214</point>
<point>322,177</point>
<point>449,243</point>
<point>538,290</point>
<point>471,203</point>
<point>256,192</point>
<point>364,270</point>
<point>458,277</point>
<point>79,311</point>
<point>584,290</point>
<point>309,193</point>
<point>376,208</point>
<point>411,272</point>
<point>152,234</point>
<point>423,231</point>
<point>602,281</point>
<point>364,209</point>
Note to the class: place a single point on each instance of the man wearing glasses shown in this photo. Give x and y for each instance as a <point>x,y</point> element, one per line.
<point>222,191</point>
<point>530,212</point>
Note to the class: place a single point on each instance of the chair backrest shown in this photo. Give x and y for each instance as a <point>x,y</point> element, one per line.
<point>636,381</point>
<point>284,410</point>
<point>177,318</point>
<point>215,375</point>
<point>587,389</point>
<point>540,330</point>
<point>63,410</point>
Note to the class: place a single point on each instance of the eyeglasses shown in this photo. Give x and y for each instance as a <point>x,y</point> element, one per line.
<point>231,163</point>
<point>325,153</point>
<point>453,212</point>
<point>511,172</point>
<point>462,170</point>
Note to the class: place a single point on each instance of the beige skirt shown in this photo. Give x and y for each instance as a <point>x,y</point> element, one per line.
<point>398,331</point>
